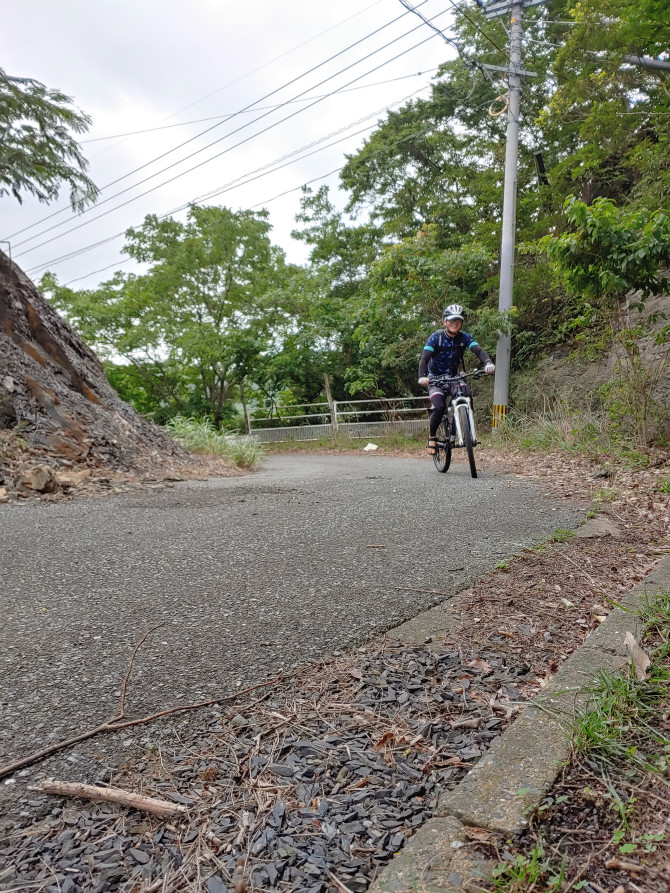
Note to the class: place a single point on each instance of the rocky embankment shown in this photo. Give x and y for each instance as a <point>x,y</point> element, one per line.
<point>54,388</point>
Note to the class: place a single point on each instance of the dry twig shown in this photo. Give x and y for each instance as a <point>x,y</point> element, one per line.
<point>113,724</point>
<point>161,808</point>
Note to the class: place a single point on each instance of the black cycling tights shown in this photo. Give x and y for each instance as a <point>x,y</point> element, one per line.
<point>439,403</point>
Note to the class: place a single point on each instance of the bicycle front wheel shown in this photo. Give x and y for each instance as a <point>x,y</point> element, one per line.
<point>442,457</point>
<point>464,419</point>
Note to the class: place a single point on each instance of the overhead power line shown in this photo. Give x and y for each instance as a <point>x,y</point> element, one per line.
<point>477,27</point>
<point>277,58</point>
<point>229,187</point>
<point>243,180</point>
<point>403,77</point>
<point>214,126</point>
<point>408,6</point>
<point>240,181</point>
<point>230,148</point>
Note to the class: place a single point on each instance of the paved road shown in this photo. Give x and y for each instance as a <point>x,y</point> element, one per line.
<point>248,575</point>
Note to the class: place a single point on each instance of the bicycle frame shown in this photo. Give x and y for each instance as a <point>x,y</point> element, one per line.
<point>458,401</point>
<point>458,405</point>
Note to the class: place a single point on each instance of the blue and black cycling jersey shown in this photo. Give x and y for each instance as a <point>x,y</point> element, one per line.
<point>442,354</point>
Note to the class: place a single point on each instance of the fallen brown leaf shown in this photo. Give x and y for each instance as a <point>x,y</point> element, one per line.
<point>480,834</point>
<point>641,660</point>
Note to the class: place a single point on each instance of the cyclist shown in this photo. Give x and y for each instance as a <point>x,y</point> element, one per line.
<point>442,354</point>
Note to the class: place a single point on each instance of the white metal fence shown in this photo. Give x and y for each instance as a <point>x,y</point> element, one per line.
<point>352,418</point>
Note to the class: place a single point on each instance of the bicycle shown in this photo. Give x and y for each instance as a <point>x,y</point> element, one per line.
<point>457,428</point>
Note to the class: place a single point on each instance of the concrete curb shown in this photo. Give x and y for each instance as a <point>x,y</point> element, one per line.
<point>522,764</point>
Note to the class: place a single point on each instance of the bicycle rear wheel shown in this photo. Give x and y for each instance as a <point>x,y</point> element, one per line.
<point>464,419</point>
<point>442,457</point>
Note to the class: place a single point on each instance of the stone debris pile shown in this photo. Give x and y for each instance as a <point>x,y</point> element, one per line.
<point>312,787</point>
<point>55,388</point>
<point>52,482</point>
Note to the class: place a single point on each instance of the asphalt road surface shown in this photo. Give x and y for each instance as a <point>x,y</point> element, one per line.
<point>248,575</point>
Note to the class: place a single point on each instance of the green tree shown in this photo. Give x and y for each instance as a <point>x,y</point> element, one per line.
<point>37,151</point>
<point>610,251</point>
<point>410,284</point>
<point>609,120</point>
<point>198,321</point>
<point>609,255</point>
<point>326,293</point>
<point>440,160</point>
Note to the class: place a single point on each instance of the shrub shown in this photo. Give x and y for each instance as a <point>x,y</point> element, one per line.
<point>200,436</point>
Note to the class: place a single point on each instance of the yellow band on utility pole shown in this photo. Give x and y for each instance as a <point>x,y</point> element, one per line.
<point>499,411</point>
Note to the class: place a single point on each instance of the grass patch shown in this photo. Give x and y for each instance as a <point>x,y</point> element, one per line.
<point>563,427</point>
<point>623,716</point>
<point>562,535</point>
<point>618,722</point>
<point>200,436</point>
<point>524,873</point>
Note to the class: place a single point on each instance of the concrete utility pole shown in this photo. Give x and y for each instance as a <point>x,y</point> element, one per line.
<point>495,9</point>
<point>506,292</point>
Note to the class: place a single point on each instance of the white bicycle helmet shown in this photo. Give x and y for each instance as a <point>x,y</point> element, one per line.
<point>453,311</point>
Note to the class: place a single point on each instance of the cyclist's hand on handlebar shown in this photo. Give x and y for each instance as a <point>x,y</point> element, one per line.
<point>489,368</point>
<point>424,381</point>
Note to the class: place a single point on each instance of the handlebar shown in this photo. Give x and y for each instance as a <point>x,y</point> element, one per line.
<point>460,376</point>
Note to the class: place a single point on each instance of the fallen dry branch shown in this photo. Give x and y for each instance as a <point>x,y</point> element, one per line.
<point>126,678</point>
<point>631,867</point>
<point>161,808</point>
<point>114,724</point>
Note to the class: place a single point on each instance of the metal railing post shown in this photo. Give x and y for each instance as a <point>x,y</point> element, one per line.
<point>333,416</point>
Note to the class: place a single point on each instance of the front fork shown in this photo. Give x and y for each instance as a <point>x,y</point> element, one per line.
<point>467,402</point>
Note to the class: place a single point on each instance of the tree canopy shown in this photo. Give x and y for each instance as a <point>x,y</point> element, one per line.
<point>38,152</point>
<point>195,323</point>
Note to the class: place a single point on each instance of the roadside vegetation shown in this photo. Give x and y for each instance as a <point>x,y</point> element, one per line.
<point>200,436</point>
<point>603,826</point>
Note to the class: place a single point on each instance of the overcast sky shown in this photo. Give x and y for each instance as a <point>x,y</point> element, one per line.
<point>181,68</point>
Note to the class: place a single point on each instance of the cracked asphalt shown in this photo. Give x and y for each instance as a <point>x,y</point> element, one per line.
<point>248,575</point>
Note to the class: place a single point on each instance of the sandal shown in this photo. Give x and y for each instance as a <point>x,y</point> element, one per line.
<point>432,446</point>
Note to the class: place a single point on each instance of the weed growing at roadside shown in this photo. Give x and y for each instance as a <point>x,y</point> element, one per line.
<point>556,426</point>
<point>523,873</point>
<point>602,497</point>
<point>664,485</point>
<point>619,720</point>
<point>560,425</point>
<point>200,436</point>
<point>562,535</point>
